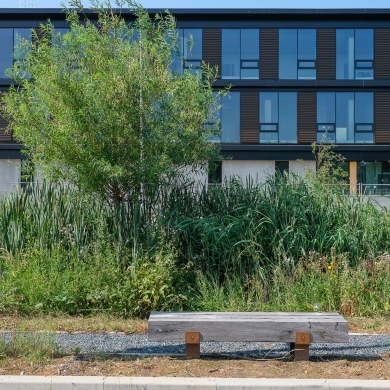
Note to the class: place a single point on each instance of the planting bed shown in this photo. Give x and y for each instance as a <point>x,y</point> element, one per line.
<point>377,368</point>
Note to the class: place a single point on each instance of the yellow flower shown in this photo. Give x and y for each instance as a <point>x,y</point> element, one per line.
<point>329,267</point>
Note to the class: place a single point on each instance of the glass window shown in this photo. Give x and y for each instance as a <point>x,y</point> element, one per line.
<point>6,49</point>
<point>190,47</point>
<point>192,42</point>
<point>20,34</point>
<point>287,117</point>
<point>345,117</point>
<point>230,118</point>
<point>282,167</point>
<point>326,107</point>
<point>240,53</point>
<point>287,54</point>
<point>278,117</point>
<point>297,54</point>
<point>250,44</point>
<point>269,112</point>
<point>352,48</point>
<point>364,44</point>
<point>231,55</point>
<point>307,44</point>
<point>364,107</point>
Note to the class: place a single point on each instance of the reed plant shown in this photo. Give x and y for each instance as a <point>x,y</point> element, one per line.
<point>228,247</point>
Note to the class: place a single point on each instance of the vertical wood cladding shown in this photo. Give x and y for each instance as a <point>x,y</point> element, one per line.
<point>307,117</point>
<point>212,44</point>
<point>249,113</point>
<point>382,117</point>
<point>326,54</point>
<point>269,53</point>
<point>382,54</point>
<point>4,135</point>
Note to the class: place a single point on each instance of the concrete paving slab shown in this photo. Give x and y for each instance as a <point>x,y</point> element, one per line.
<point>168,383</point>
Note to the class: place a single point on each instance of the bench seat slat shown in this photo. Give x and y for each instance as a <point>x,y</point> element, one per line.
<point>248,327</point>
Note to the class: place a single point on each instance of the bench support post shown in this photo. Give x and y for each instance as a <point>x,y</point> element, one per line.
<point>301,346</point>
<point>192,345</point>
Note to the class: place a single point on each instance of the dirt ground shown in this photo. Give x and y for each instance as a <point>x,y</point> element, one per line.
<point>204,367</point>
<point>378,368</point>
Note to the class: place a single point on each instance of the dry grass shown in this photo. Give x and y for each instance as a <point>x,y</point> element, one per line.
<point>64,323</point>
<point>204,367</point>
<point>106,323</point>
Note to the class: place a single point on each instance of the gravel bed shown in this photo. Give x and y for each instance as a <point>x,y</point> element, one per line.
<point>359,345</point>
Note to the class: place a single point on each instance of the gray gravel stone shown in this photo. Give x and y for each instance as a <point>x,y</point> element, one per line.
<point>359,346</point>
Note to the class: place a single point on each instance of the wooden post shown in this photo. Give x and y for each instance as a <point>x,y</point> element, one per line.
<point>192,345</point>
<point>302,342</point>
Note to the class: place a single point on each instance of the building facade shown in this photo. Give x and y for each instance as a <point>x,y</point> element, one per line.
<point>297,76</point>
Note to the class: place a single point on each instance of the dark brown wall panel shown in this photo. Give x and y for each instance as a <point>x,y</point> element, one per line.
<point>382,117</point>
<point>249,113</point>
<point>212,44</point>
<point>326,54</point>
<point>269,53</point>
<point>307,117</point>
<point>382,54</point>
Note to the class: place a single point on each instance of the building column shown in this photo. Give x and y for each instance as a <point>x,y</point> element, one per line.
<point>353,177</point>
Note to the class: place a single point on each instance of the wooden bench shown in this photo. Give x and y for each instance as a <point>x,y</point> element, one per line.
<point>298,329</point>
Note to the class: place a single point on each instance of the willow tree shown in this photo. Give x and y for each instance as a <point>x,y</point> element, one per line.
<point>101,108</point>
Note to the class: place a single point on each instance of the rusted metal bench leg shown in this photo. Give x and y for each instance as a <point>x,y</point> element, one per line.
<point>192,345</point>
<point>292,350</point>
<point>302,342</point>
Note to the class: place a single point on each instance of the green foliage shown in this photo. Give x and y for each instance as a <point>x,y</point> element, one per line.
<point>328,168</point>
<point>328,281</point>
<point>263,247</point>
<point>99,107</point>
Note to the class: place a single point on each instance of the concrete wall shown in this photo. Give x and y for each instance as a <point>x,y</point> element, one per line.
<point>245,169</point>
<point>300,167</point>
<point>9,175</point>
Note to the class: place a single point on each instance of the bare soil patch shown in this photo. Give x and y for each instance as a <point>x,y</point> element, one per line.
<point>204,367</point>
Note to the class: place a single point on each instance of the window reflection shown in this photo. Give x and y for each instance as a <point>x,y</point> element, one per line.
<point>230,118</point>
<point>297,54</point>
<point>6,48</point>
<point>354,54</point>
<point>345,117</point>
<point>278,117</point>
<point>190,46</point>
<point>240,53</point>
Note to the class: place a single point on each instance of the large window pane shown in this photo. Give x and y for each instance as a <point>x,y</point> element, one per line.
<point>345,58</point>
<point>231,118</point>
<point>345,124</point>
<point>369,173</point>
<point>269,107</point>
<point>364,107</point>
<point>6,48</point>
<point>250,44</point>
<point>19,35</point>
<point>287,117</point>
<point>287,54</point>
<point>196,50</point>
<point>306,44</point>
<point>364,44</point>
<point>231,55</point>
<point>325,107</point>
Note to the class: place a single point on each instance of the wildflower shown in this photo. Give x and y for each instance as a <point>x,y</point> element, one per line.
<point>329,267</point>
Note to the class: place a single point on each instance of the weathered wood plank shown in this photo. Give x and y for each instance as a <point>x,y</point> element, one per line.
<point>248,327</point>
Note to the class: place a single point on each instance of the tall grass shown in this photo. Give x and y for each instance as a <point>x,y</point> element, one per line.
<point>230,247</point>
